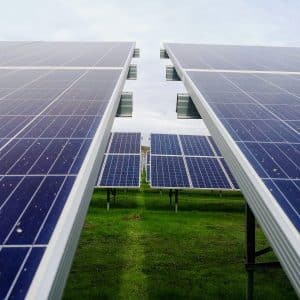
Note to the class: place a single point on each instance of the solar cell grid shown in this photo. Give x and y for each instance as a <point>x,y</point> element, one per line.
<point>195,145</point>
<point>120,171</point>
<point>168,172</point>
<point>75,54</point>
<point>203,174</point>
<point>165,144</point>
<point>123,142</point>
<point>259,113</point>
<point>122,164</point>
<point>48,119</point>
<point>260,58</point>
<point>207,173</point>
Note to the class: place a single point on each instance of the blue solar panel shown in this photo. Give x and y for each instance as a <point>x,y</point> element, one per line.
<point>206,172</point>
<point>168,172</point>
<point>195,145</point>
<point>192,56</point>
<point>125,142</point>
<point>165,144</point>
<point>48,119</point>
<point>120,171</point>
<point>256,117</point>
<point>262,129</point>
<point>121,168</point>
<point>75,54</point>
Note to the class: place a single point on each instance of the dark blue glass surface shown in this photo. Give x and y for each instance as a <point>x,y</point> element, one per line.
<point>125,142</point>
<point>168,171</point>
<point>266,130</point>
<point>165,144</point>
<point>121,171</point>
<point>207,173</point>
<point>195,145</point>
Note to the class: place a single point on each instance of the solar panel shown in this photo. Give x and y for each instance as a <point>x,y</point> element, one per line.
<point>125,142</point>
<point>71,54</point>
<point>54,125</point>
<point>122,163</point>
<point>229,57</point>
<point>196,145</point>
<point>207,173</point>
<point>168,172</point>
<point>165,144</point>
<point>197,165</point>
<point>120,171</point>
<point>254,117</point>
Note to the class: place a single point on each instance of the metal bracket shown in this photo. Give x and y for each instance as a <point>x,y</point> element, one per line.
<point>185,107</point>
<point>163,53</point>
<point>125,105</point>
<point>136,53</point>
<point>171,74</point>
<point>132,72</point>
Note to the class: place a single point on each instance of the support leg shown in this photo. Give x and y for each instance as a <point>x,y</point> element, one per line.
<point>170,196</point>
<point>107,199</point>
<point>176,201</point>
<point>114,193</point>
<point>250,251</point>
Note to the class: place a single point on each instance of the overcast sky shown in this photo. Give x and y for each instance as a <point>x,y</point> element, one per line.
<point>149,23</point>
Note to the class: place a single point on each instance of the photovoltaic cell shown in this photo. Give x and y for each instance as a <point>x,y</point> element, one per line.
<point>198,165</point>
<point>125,142</point>
<point>196,145</point>
<point>168,172</point>
<point>48,119</point>
<point>165,144</point>
<point>120,171</point>
<point>207,173</point>
<point>122,163</point>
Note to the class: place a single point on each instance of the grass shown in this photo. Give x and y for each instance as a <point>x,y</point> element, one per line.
<point>141,249</point>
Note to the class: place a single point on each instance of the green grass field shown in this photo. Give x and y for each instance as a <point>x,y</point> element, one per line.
<point>141,249</point>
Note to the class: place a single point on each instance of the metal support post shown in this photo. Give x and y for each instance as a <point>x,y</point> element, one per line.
<point>114,193</point>
<point>176,201</point>
<point>170,196</point>
<point>250,250</point>
<point>107,199</point>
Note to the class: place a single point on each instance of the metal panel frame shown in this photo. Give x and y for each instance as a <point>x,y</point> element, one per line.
<point>281,233</point>
<point>50,278</point>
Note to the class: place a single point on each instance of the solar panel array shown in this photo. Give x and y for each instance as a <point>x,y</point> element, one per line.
<point>230,57</point>
<point>122,162</point>
<point>49,117</point>
<point>188,161</point>
<point>72,54</point>
<point>148,166</point>
<point>255,114</point>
